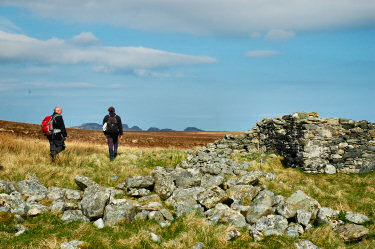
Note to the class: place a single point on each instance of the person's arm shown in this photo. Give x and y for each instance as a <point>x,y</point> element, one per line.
<point>61,125</point>
<point>119,123</point>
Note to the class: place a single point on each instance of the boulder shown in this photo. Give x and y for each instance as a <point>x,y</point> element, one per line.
<point>187,197</point>
<point>32,189</point>
<point>139,182</point>
<point>164,182</point>
<point>243,193</point>
<point>325,214</point>
<point>269,225</point>
<point>211,180</point>
<point>157,216</point>
<point>74,215</point>
<point>185,179</point>
<point>261,206</point>
<point>303,217</point>
<point>74,195</point>
<point>99,223</point>
<point>118,210</point>
<point>212,196</point>
<point>35,208</point>
<point>352,232</point>
<point>56,193</point>
<point>223,214</point>
<point>83,182</point>
<point>356,218</point>
<point>232,234</point>
<point>182,209</point>
<point>305,244</point>
<point>57,206</point>
<point>95,198</point>
<point>139,192</point>
<point>301,201</point>
<point>294,230</point>
<point>14,202</point>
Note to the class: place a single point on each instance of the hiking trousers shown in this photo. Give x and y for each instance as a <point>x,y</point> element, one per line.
<point>112,140</point>
<point>56,145</point>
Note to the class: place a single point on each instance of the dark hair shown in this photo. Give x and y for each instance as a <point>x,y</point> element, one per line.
<point>111,109</point>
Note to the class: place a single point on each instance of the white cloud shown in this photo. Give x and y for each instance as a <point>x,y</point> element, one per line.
<point>261,53</point>
<point>279,34</point>
<point>219,17</point>
<point>8,26</point>
<point>17,47</point>
<point>86,38</point>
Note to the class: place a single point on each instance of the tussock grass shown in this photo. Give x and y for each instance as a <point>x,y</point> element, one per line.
<point>20,157</point>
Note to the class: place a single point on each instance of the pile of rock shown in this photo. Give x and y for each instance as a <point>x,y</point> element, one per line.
<point>316,145</point>
<point>216,187</point>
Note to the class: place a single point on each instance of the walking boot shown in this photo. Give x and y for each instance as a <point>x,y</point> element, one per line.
<point>53,155</point>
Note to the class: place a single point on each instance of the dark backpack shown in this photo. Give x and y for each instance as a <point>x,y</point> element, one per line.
<point>112,126</point>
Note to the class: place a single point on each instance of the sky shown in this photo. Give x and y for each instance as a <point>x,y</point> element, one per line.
<point>213,64</point>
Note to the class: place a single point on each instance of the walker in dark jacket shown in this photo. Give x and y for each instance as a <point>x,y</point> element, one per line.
<point>112,137</point>
<point>56,140</point>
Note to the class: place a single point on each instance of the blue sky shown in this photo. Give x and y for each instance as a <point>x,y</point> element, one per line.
<point>214,64</point>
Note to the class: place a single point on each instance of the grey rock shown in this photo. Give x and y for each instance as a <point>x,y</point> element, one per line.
<point>35,209</point>
<point>285,209</point>
<point>330,169</point>
<point>294,230</point>
<point>167,215</point>
<point>325,214</point>
<point>187,197</point>
<point>57,206</point>
<point>152,206</point>
<point>185,179</point>
<point>199,245</point>
<point>301,201</point>
<point>14,202</point>
<point>139,192</point>
<point>164,182</point>
<point>74,215</point>
<point>32,188</point>
<point>95,198</point>
<point>99,223</point>
<point>261,206</point>
<point>182,210</point>
<point>4,209</point>
<point>232,235</point>
<point>305,244</point>
<point>352,232</point>
<point>223,214</point>
<point>157,216</point>
<point>83,182</point>
<point>74,244</point>
<point>74,195</point>
<point>70,205</point>
<point>139,182</point>
<point>356,218</point>
<point>119,210</point>
<point>211,180</point>
<point>269,225</point>
<point>142,215</point>
<point>56,193</point>
<point>243,193</point>
<point>211,196</point>
<point>153,236</point>
<point>303,217</point>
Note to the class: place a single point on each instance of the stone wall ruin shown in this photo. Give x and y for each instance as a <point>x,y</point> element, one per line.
<point>317,145</point>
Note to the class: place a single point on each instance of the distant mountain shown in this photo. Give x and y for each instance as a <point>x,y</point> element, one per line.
<point>125,127</point>
<point>192,129</point>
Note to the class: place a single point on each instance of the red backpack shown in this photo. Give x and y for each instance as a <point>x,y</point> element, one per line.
<point>47,125</point>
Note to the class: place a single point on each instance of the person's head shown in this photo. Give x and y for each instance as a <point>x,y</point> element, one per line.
<point>111,109</point>
<point>58,110</point>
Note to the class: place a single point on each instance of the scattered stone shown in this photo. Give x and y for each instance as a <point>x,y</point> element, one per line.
<point>261,206</point>
<point>232,235</point>
<point>223,214</point>
<point>305,244</point>
<point>74,215</point>
<point>352,232</point>
<point>330,169</point>
<point>120,210</point>
<point>95,198</point>
<point>212,196</point>
<point>154,237</point>
<point>139,182</point>
<point>325,214</point>
<point>157,216</point>
<point>303,217</point>
<point>32,188</point>
<point>83,182</point>
<point>74,244</point>
<point>142,215</point>
<point>99,223</point>
<point>199,245</point>
<point>294,230</point>
<point>356,218</point>
<point>73,195</point>
<point>35,209</point>
<point>269,225</point>
<point>139,192</point>
<point>301,201</point>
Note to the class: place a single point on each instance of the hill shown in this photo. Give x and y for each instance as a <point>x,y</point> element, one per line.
<point>95,126</point>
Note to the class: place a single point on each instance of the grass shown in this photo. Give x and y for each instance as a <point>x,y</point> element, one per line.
<point>20,157</point>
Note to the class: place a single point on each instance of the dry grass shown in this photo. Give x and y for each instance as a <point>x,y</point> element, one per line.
<point>20,157</point>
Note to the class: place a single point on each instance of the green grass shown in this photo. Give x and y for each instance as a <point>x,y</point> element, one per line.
<point>21,157</point>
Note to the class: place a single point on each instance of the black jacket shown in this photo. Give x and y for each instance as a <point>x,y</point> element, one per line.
<point>119,124</point>
<point>58,123</point>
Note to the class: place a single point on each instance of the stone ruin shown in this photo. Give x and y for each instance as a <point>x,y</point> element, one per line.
<point>317,145</point>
